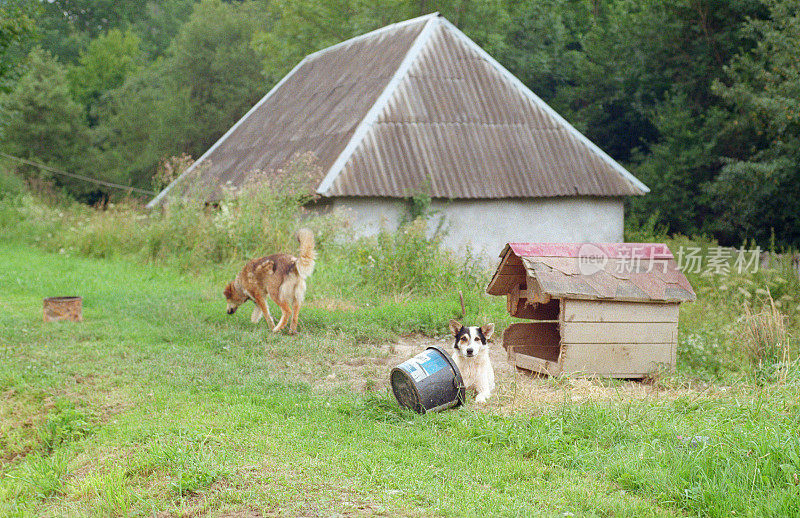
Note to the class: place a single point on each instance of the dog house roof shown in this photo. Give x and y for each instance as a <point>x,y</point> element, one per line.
<point>640,272</point>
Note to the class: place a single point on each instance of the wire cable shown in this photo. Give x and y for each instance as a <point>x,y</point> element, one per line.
<point>80,176</point>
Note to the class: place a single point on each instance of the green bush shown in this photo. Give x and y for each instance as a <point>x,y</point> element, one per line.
<point>408,262</point>
<point>11,184</point>
<point>259,219</point>
<point>185,232</point>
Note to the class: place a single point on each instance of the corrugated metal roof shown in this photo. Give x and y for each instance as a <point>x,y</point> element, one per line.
<point>416,105</point>
<point>316,108</point>
<point>644,272</point>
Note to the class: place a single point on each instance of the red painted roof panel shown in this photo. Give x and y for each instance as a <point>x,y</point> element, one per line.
<point>645,272</point>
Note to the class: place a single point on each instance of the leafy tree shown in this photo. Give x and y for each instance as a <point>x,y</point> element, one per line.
<point>595,63</point>
<point>159,22</point>
<point>16,26</point>
<point>68,26</point>
<point>682,47</point>
<point>42,122</point>
<point>642,55</point>
<point>184,102</point>
<point>105,64</point>
<point>141,121</point>
<point>758,191</point>
<point>213,64</point>
<point>487,22</point>
<point>677,167</point>
<point>544,46</point>
<point>301,27</point>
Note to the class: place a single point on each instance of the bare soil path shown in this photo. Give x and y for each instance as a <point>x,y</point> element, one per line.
<point>517,390</point>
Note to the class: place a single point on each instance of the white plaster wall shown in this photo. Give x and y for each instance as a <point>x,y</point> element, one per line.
<point>487,225</point>
<point>369,215</point>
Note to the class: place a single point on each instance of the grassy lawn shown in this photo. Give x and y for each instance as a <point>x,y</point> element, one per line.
<point>159,404</point>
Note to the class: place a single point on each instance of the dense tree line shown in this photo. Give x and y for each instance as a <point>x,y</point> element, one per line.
<point>699,98</point>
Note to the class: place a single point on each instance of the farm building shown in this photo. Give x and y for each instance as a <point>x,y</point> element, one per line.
<point>604,310</point>
<point>417,108</point>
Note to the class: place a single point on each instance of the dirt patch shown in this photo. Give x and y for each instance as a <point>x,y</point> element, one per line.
<point>517,390</point>
<point>371,373</point>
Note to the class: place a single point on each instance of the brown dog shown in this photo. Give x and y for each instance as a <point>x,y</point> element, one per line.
<point>282,277</point>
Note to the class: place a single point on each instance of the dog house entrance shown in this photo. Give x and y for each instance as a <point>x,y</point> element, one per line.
<point>536,344</point>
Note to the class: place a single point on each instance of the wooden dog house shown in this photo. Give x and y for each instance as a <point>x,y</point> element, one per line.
<point>591,309</point>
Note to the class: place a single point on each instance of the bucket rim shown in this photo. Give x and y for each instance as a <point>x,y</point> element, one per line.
<point>418,406</point>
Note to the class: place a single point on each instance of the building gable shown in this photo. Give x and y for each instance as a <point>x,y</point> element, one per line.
<point>416,106</point>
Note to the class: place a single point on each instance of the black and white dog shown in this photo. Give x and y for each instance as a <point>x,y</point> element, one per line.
<point>472,357</point>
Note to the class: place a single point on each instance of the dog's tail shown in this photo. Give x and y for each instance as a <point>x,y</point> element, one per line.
<point>305,263</point>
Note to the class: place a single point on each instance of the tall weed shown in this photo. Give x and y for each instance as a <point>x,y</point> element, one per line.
<point>766,341</point>
<point>186,232</point>
<point>64,424</point>
<point>716,336</point>
<point>408,262</point>
<point>258,219</point>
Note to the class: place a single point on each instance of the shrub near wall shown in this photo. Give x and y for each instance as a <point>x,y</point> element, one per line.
<point>260,219</point>
<point>407,262</point>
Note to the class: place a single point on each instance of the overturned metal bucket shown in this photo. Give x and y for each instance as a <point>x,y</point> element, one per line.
<point>63,308</point>
<point>428,382</point>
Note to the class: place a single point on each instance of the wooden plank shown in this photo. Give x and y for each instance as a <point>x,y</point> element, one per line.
<point>581,296</point>
<point>617,360</point>
<point>503,280</point>
<point>615,311</point>
<point>513,300</point>
<point>501,283</point>
<point>512,259</point>
<point>545,352</point>
<point>516,300</point>
<point>535,293</point>
<point>515,269</point>
<point>619,332</point>
<point>531,334</point>
<point>536,311</point>
<point>536,364</point>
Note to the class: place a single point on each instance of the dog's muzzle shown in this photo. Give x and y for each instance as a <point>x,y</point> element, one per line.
<point>231,311</point>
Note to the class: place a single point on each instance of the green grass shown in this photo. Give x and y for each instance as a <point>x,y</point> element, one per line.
<point>160,404</point>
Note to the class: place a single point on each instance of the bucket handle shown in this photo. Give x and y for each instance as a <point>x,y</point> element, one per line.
<point>460,390</point>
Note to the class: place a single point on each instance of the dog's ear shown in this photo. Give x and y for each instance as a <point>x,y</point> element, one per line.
<point>487,330</point>
<point>228,291</point>
<point>455,326</point>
